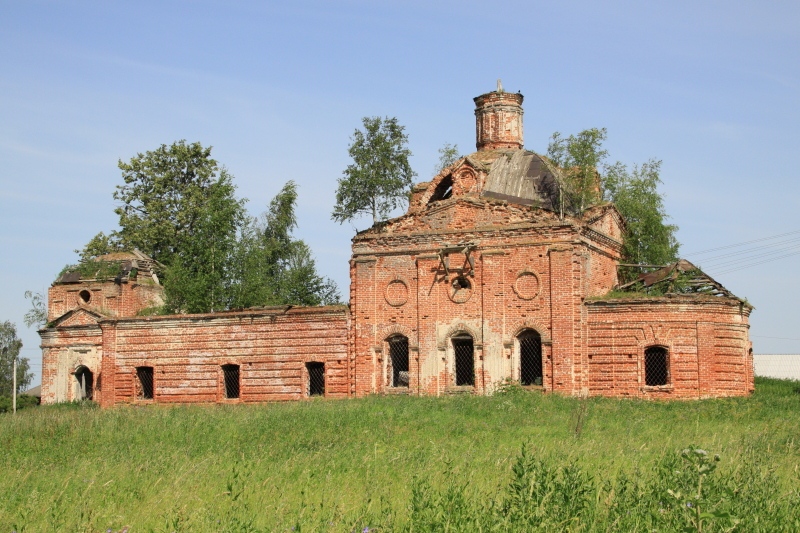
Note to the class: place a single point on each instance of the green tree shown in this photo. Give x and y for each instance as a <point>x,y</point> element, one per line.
<point>380,176</point>
<point>197,278</point>
<point>180,208</point>
<point>648,239</point>
<point>10,346</point>
<point>167,196</point>
<point>580,158</point>
<point>37,314</point>
<point>100,244</point>
<point>448,154</point>
<point>274,268</point>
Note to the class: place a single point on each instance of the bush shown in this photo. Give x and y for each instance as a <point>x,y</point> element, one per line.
<point>23,401</point>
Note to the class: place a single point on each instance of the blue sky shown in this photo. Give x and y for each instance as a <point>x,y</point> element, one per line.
<point>277,88</point>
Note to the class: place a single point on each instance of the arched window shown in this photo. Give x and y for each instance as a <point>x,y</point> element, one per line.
<point>530,358</point>
<point>85,380</point>
<point>464,355</point>
<point>398,361</point>
<point>656,366</point>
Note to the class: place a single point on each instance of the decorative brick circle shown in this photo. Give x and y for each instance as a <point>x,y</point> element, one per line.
<point>460,290</point>
<point>396,293</point>
<point>527,285</point>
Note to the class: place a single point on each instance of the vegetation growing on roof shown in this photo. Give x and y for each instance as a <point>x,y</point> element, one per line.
<point>93,270</point>
<point>678,278</point>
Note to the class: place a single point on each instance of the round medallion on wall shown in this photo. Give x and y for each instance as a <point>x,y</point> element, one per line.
<point>396,293</point>
<point>460,290</point>
<point>527,285</point>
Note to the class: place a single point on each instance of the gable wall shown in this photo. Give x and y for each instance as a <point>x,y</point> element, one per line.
<point>63,351</point>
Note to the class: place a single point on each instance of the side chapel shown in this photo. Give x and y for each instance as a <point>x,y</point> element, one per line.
<point>484,281</point>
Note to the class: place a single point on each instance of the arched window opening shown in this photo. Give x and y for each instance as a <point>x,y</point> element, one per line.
<point>530,358</point>
<point>144,383</point>
<point>85,380</point>
<point>464,352</point>
<point>398,361</point>
<point>316,379</point>
<point>443,191</point>
<point>85,296</point>
<point>230,378</point>
<point>656,366</point>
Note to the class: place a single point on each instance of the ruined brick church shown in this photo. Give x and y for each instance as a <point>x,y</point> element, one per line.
<point>484,281</point>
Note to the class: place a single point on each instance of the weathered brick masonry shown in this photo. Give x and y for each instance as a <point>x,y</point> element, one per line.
<point>483,281</point>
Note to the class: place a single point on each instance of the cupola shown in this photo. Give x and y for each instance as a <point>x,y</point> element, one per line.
<point>498,120</point>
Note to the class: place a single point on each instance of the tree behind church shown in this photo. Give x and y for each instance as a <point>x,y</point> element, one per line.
<point>180,207</point>
<point>10,346</point>
<point>380,177</point>
<point>648,239</point>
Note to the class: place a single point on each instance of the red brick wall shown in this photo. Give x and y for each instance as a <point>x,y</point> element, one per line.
<point>532,275</point>
<point>105,297</point>
<point>186,353</point>
<point>706,338</point>
<point>64,351</point>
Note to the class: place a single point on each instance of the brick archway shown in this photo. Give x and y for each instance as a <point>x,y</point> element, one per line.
<point>455,329</point>
<point>396,329</point>
<point>529,324</point>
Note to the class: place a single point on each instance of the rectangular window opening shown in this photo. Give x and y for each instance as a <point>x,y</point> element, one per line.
<point>465,361</point>
<point>144,382</point>
<point>230,378</point>
<point>398,355</point>
<point>316,379</point>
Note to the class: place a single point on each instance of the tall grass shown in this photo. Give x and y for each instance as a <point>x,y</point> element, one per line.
<point>517,461</point>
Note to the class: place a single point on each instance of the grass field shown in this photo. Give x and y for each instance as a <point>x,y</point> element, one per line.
<point>516,461</point>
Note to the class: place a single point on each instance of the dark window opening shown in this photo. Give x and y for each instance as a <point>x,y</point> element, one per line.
<point>530,358</point>
<point>230,378</point>
<point>656,366</point>
<point>465,361</point>
<point>85,383</point>
<point>461,283</point>
<point>398,359</point>
<point>144,382</point>
<point>316,379</point>
<point>443,191</point>
<point>85,296</point>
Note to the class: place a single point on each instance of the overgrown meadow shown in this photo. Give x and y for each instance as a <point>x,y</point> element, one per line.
<point>516,461</point>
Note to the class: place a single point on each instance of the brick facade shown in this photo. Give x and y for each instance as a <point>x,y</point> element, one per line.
<point>483,281</point>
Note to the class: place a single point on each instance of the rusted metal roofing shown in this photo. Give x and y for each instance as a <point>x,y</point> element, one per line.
<point>523,177</point>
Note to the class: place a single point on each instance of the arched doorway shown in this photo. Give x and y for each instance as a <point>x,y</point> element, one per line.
<point>530,358</point>
<point>85,379</point>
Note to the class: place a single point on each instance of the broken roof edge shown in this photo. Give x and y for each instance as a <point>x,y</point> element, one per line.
<point>701,284</point>
<point>145,267</point>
